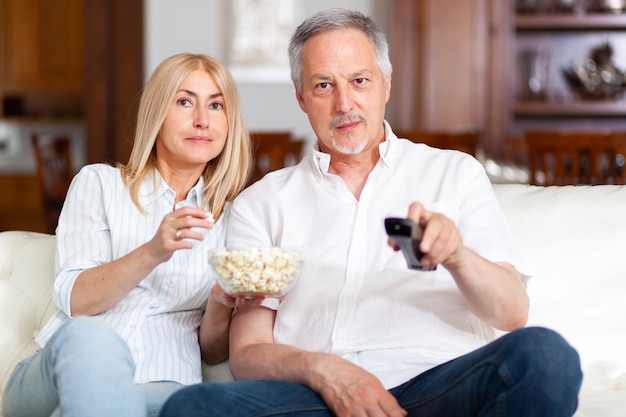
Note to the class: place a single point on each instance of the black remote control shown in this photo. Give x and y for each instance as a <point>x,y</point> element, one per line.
<point>407,236</point>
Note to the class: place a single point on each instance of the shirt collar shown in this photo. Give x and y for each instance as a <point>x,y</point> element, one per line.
<point>154,187</point>
<point>386,149</point>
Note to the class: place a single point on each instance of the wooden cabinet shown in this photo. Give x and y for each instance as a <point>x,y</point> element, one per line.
<point>565,40</point>
<point>450,61</point>
<point>21,205</point>
<point>438,52</point>
<point>42,46</point>
<point>573,33</point>
<point>76,59</point>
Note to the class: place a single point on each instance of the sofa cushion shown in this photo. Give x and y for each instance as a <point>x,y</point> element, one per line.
<point>574,238</point>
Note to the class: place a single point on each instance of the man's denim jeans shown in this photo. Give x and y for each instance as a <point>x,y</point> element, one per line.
<point>530,372</point>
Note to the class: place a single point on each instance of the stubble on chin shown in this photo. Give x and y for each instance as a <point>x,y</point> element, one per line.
<point>349,148</point>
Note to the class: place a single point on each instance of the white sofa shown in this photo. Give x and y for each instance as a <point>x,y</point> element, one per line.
<point>574,237</point>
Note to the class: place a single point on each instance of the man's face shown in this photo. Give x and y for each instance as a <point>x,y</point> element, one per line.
<point>343,92</point>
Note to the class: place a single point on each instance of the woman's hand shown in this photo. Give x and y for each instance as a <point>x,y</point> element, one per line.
<point>218,295</point>
<point>98,289</point>
<point>215,325</point>
<point>177,231</point>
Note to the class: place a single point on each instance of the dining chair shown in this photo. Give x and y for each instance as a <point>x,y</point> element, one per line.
<point>618,160</point>
<point>272,151</point>
<point>572,158</point>
<point>53,158</point>
<point>461,141</point>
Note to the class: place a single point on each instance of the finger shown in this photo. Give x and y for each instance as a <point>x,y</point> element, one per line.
<point>441,241</point>
<point>191,234</point>
<point>250,301</point>
<point>189,228</point>
<point>389,405</point>
<point>220,296</point>
<point>432,226</point>
<point>193,212</point>
<point>416,212</point>
<point>180,239</point>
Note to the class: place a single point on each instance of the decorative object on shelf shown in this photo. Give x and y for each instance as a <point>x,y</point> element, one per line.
<point>599,78</point>
<point>535,68</point>
<point>529,6</point>
<point>606,6</point>
<point>566,6</point>
<point>547,6</point>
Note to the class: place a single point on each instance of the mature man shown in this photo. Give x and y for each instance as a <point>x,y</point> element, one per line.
<point>360,334</point>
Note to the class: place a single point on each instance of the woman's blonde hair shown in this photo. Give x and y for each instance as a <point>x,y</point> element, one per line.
<point>224,176</point>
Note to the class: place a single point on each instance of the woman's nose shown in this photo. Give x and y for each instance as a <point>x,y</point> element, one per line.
<point>201,117</point>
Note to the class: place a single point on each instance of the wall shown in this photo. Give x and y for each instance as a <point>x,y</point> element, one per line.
<point>199,26</point>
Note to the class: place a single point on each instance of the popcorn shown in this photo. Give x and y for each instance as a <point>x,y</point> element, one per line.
<point>268,272</point>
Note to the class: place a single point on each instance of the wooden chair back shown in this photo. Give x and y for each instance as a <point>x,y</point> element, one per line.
<point>573,158</point>
<point>53,158</point>
<point>461,141</point>
<point>618,141</point>
<point>272,151</point>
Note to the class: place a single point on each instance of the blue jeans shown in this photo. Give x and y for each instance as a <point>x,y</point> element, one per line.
<point>530,372</point>
<point>86,369</point>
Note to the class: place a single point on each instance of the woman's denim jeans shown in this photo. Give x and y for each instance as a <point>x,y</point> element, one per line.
<point>85,370</point>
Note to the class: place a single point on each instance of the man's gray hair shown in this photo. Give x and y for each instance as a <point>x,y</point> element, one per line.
<point>336,19</point>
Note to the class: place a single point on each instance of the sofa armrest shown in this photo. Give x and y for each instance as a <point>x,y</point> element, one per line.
<point>26,280</point>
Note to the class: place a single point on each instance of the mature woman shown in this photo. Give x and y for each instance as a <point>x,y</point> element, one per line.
<point>133,289</point>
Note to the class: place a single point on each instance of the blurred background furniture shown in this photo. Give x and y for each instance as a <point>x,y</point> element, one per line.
<point>53,157</point>
<point>574,157</point>
<point>618,143</point>
<point>272,151</point>
<point>461,141</point>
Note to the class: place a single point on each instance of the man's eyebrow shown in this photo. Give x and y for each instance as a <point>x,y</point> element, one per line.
<point>356,74</point>
<point>361,73</point>
<point>320,77</point>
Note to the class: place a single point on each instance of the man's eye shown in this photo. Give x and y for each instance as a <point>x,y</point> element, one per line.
<point>360,80</point>
<point>323,86</point>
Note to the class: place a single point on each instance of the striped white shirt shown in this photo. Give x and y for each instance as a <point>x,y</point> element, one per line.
<point>159,318</point>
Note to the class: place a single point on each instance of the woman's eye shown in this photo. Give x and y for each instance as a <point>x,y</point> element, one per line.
<point>217,106</point>
<point>185,102</point>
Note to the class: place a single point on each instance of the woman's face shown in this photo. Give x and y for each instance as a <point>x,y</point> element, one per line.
<point>195,128</point>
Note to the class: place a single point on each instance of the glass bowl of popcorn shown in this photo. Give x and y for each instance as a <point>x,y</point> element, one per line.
<point>267,272</point>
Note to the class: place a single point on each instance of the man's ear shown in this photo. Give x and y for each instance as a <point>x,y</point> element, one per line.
<point>300,100</point>
<point>387,89</point>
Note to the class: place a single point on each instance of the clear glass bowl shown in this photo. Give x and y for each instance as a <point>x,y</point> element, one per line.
<point>267,272</point>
